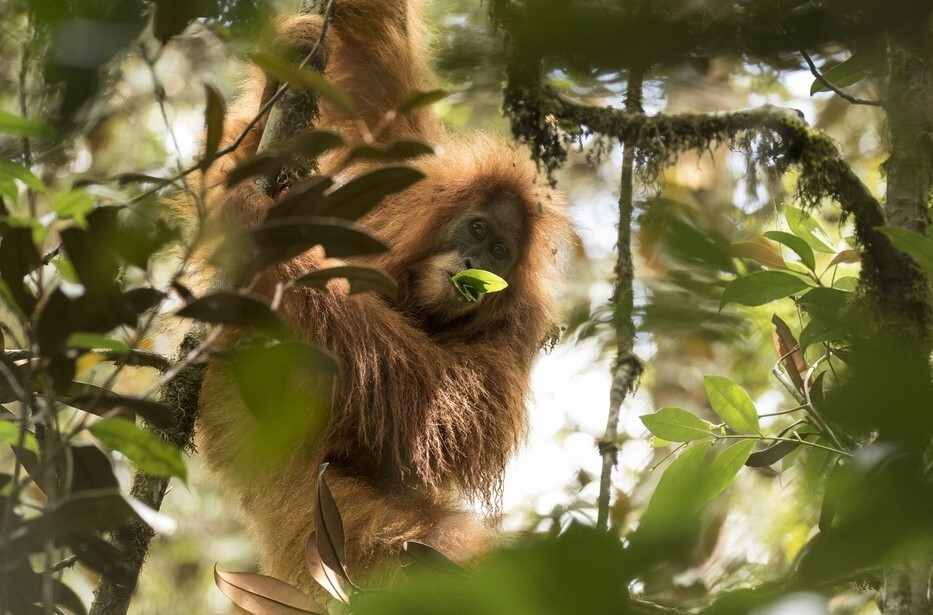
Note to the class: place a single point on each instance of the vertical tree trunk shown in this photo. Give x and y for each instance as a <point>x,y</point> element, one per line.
<point>907,588</point>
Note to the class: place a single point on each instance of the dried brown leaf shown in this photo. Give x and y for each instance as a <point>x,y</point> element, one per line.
<point>329,529</point>
<point>264,595</point>
<point>788,351</point>
<point>326,578</point>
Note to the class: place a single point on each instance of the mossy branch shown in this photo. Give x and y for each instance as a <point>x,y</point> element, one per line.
<point>628,368</point>
<point>549,121</point>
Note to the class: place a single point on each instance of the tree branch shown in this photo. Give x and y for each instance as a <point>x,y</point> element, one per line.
<point>822,79</point>
<point>628,368</point>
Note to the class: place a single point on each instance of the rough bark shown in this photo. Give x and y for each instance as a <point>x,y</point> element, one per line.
<point>628,367</point>
<point>907,587</point>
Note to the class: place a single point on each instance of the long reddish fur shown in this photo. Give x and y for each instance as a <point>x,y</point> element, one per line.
<point>421,415</point>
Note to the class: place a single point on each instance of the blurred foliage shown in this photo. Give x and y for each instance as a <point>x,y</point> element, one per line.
<point>808,485</point>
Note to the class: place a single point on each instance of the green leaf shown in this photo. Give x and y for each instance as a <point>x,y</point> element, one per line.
<point>362,278</point>
<point>471,283</point>
<point>846,256</point>
<point>399,150</point>
<point>93,341</point>
<point>758,251</point>
<point>145,449</point>
<point>266,163</point>
<point>421,99</point>
<point>226,308</point>
<point>762,287</point>
<point>824,303</point>
<point>310,144</point>
<point>798,245</point>
<point>771,455</point>
<point>846,283</point>
<point>807,227</point>
<point>283,238</point>
<point>732,404</point>
<point>75,204</point>
<point>844,74</point>
<point>23,127</point>
<point>719,474</point>
<point>915,245</point>
<point>673,498</point>
<point>18,171</point>
<point>817,331</point>
<point>303,79</point>
<point>214,124</point>
<point>355,198</point>
<point>676,425</point>
<point>10,433</point>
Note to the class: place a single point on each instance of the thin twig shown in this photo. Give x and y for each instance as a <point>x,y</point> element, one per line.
<point>628,367</point>
<point>819,77</point>
<point>263,111</point>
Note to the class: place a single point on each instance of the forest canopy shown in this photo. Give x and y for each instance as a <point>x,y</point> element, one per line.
<point>751,185</point>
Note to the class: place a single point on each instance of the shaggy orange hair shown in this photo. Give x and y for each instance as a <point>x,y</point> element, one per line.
<point>424,413</point>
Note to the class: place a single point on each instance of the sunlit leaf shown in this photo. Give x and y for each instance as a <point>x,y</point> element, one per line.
<point>145,449</point>
<point>362,278</point>
<point>844,74</point>
<point>17,126</point>
<point>915,245</point>
<point>264,595</point>
<point>676,425</point>
<point>92,341</point>
<point>675,497</point>
<point>75,204</point>
<point>478,281</point>
<point>303,79</point>
<point>421,99</point>
<point>762,287</point>
<point>732,404</point>
<point>760,252</point>
<point>805,226</point>
<point>846,256</point>
<point>800,247</point>
<point>719,473</point>
<point>816,463</point>
<point>12,170</point>
<point>788,352</point>
<point>846,283</point>
<point>11,433</point>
